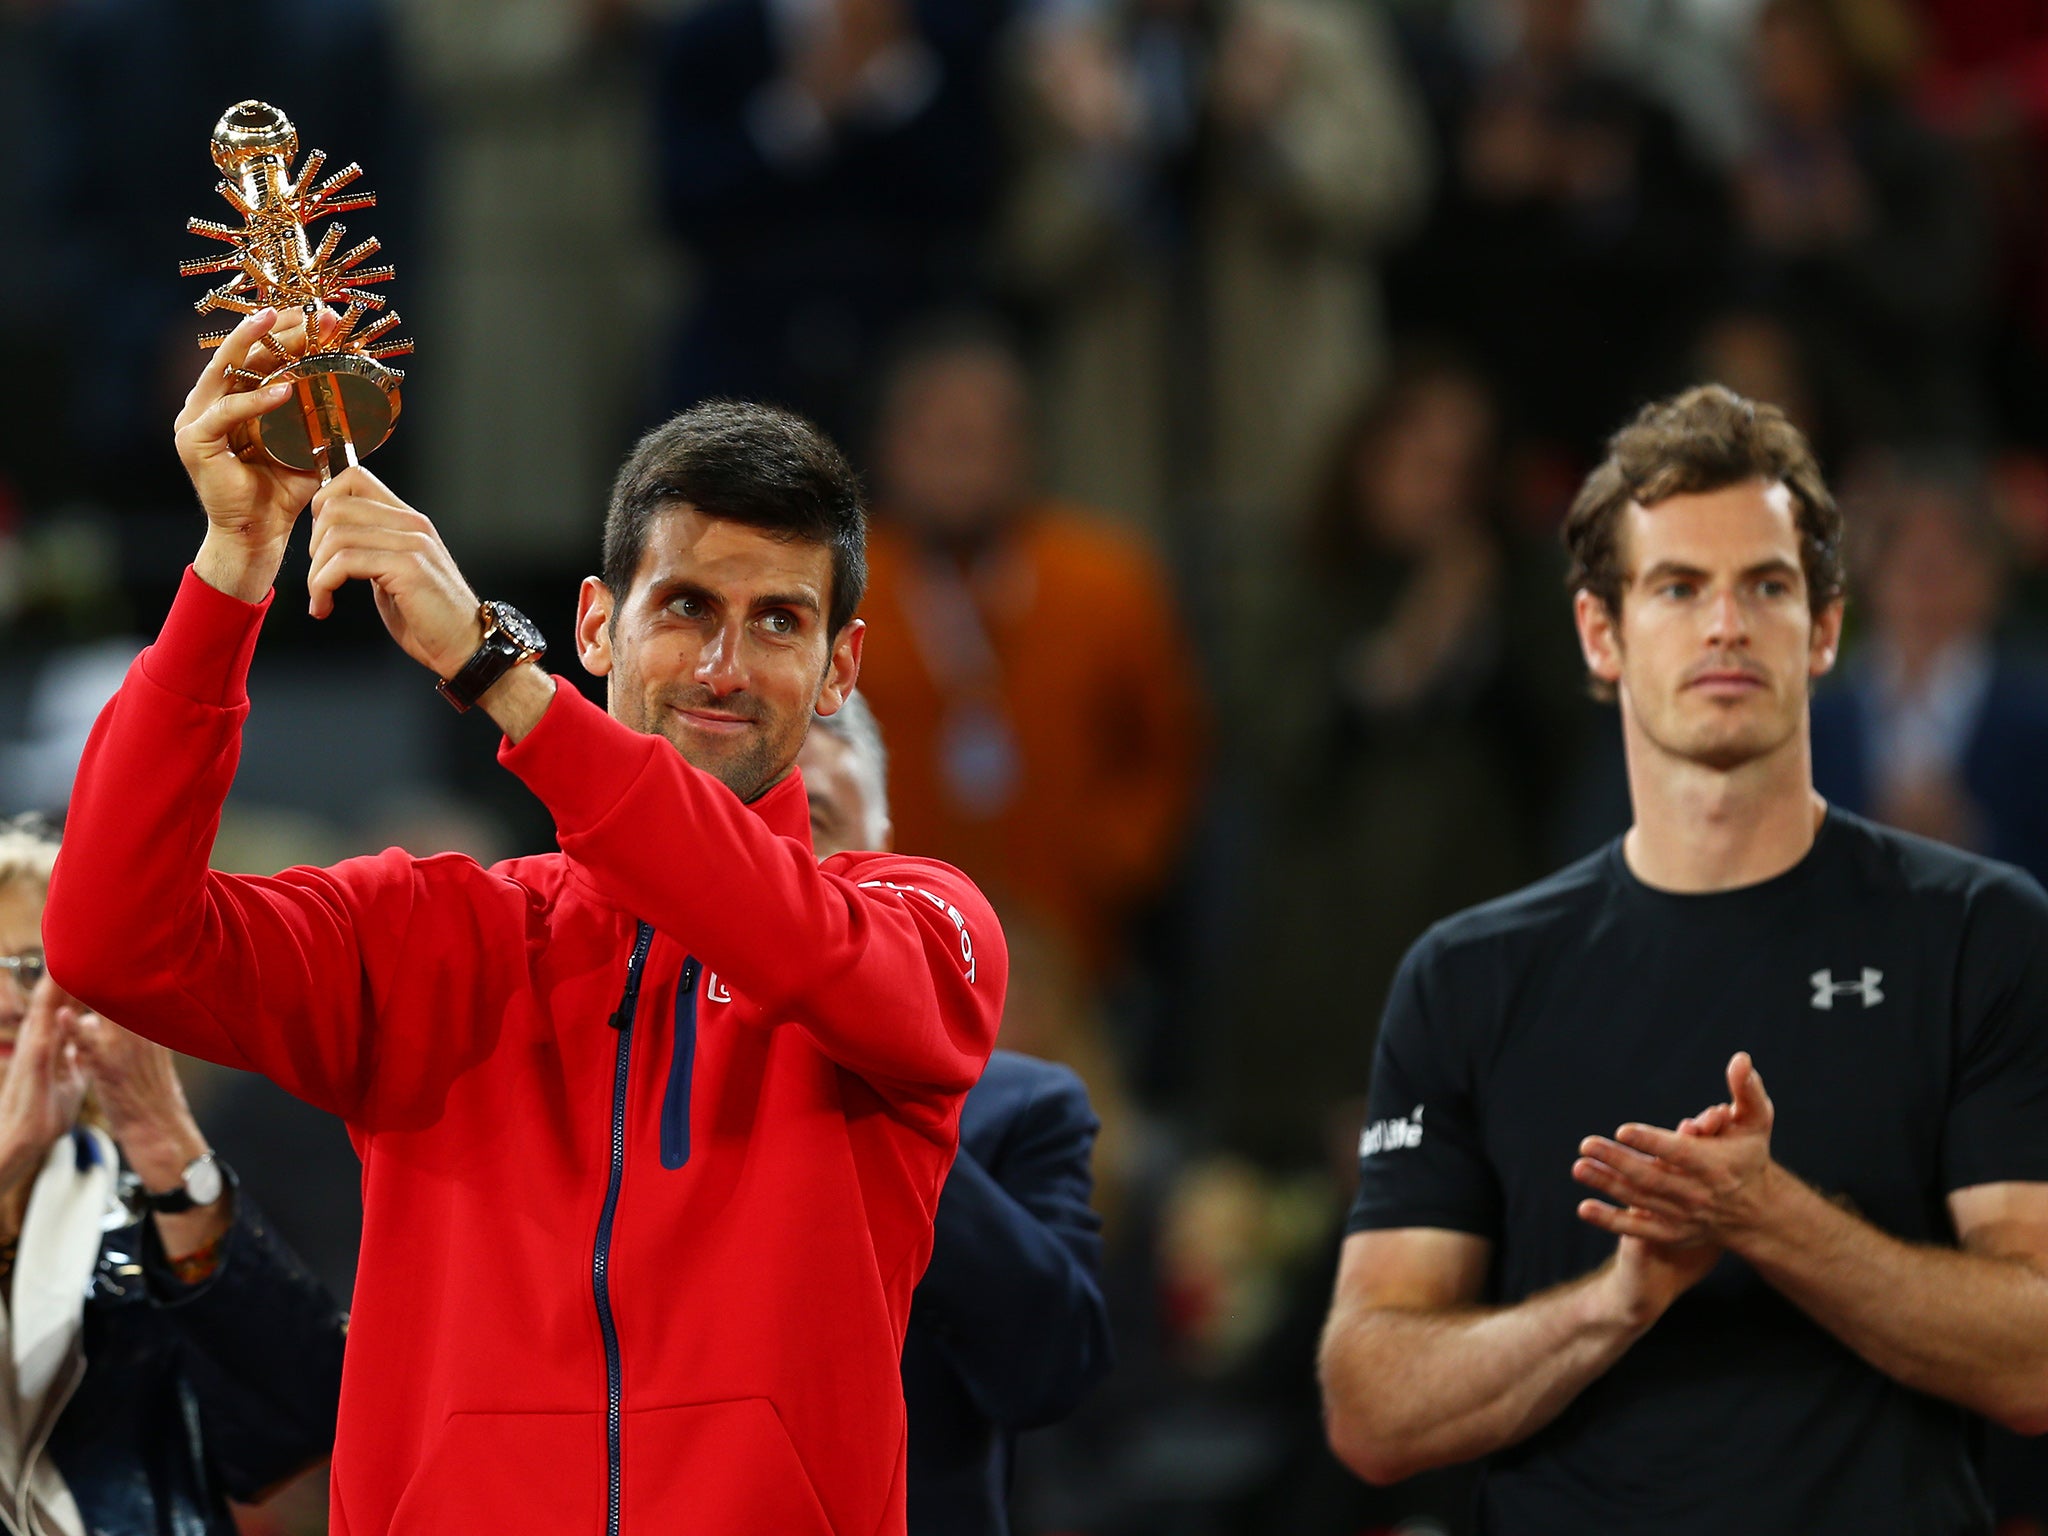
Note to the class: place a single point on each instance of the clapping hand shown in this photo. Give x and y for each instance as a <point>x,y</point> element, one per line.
<point>43,1083</point>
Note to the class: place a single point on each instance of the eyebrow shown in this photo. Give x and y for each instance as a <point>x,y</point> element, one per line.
<point>1771,567</point>
<point>666,592</point>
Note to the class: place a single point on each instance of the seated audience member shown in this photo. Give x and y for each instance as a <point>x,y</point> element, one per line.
<point>1025,659</point>
<point>1940,723</point>
<point>1008,1328</point>
<point>164,1351</point>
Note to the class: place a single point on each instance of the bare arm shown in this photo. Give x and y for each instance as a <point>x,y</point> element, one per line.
<point>1969,1325</point>
<point>1416,1375</point>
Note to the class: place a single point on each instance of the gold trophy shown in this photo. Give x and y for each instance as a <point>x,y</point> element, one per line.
<point>346,399</point>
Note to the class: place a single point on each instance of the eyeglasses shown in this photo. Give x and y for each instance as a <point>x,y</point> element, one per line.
<point>26,968</point>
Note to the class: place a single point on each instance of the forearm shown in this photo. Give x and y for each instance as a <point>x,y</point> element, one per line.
<point>895,981</point>
<point>1405,1391</point>
<point>1013,1298</point>
<point>1968,1327</point>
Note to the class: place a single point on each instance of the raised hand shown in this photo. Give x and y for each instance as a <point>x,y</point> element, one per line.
<point>1703,1184</point>
<point>43,1084</point>
<point>250,503</point>
<point>363,532</point>
<point>135,1082</point>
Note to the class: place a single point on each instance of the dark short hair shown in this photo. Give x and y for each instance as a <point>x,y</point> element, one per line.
<point>1707,439</point>
<point>744,463</point>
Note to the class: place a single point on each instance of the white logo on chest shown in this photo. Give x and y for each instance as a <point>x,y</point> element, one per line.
<point>1826,989</point>
<point>714,990</point>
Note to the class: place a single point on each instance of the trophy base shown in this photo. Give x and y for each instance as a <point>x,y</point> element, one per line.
<point>343,408</point>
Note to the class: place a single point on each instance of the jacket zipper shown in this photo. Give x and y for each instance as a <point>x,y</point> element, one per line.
<point>675,1103</point>
<point>601,1254</point>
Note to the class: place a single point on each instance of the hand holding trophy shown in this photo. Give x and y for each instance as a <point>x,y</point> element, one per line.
<point>343,399</point>
<point>297,392</point>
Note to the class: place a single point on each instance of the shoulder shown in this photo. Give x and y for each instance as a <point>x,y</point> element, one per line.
<point>1022,1085</point>
<point>1042,1102</point>
<point>1524,920</point>
<point>1917,869</point>
<point>1076,542</point>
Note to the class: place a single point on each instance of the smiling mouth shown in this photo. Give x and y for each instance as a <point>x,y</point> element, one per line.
<point>715,722</point>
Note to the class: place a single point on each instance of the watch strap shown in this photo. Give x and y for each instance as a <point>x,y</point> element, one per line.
<point>172,1202</point>
<point>499,653</point>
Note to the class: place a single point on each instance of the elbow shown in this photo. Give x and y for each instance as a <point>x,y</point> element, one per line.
<point>1370,1453</point>
<point>2024,1411</point>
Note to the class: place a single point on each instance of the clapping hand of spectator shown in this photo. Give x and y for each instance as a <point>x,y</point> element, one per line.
<point>1075,72</point>
<point>43,1083</point>
<point>1255,69</point>
<point>135,1082</point>
<point>833,71</point>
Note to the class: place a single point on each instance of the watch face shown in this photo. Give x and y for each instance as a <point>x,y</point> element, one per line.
<point>202,1180</point>
<point>519,627</point>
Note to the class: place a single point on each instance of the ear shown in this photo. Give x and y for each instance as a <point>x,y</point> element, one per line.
<point>842,670</point>
<point>1827,640</point>
<point>1599,636</point>
<point>593,626</point>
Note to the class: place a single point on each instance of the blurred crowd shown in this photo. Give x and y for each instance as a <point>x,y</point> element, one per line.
<point>1219,370</point>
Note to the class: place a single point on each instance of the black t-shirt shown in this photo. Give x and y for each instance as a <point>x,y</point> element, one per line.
<point>1894,994</point>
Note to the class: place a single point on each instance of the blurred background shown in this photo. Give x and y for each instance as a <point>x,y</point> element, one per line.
<point>1219,370</point>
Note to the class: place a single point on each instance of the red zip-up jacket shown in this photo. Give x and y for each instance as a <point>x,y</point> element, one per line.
<point>652,1129</point>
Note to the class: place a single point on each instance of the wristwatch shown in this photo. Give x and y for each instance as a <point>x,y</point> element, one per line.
<point>510,638</point>
<point>200,1184</point>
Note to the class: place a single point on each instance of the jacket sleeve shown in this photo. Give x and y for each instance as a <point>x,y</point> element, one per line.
<point>897,970</point>
<point>262,1353</point>
<point>280,975</point>
<point>1013,1293</point>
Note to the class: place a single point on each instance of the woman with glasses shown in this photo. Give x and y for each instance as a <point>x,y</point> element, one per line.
<point>161,1350</point>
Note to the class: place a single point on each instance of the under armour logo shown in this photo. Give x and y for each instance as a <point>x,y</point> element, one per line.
<point>1826,989</point>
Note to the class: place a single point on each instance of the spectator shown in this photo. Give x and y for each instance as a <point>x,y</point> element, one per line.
<point>1024,660</point>
<point>160,1358</point>
<point>1940,724</point>
<point>1203,187</point>
<point>141,84</point>
<point>1862,227</point>
<point>829,164</point>
<point>1577,239</point>
<point>1008,1329</point>
<point>1409,769</point>
<point>544,286</point>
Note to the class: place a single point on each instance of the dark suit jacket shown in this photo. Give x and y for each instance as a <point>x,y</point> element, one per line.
<point>1008,1328</point>
<point>2003,763</point>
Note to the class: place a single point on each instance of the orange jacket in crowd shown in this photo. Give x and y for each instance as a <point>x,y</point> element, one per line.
<point>1041,715</point>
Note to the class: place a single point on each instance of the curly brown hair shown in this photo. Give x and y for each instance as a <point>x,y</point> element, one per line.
<point>1706,439</point>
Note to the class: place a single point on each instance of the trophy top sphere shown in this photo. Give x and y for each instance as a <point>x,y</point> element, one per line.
<point>252,128</point>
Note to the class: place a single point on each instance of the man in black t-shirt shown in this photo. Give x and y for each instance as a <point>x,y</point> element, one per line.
<point>1788,1309</point>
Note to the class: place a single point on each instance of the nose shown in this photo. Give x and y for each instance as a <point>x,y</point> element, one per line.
<point>718,664</point>
<point>1727,623</point>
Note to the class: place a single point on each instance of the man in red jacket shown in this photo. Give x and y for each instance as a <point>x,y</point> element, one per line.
<point>653,1128</point>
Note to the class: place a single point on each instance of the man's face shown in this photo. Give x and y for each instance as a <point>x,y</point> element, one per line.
<point>1716,647</point>
<point>955,444</point>
<point>720,645</point>
<point>21,932</point>
<point>844,815</point>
